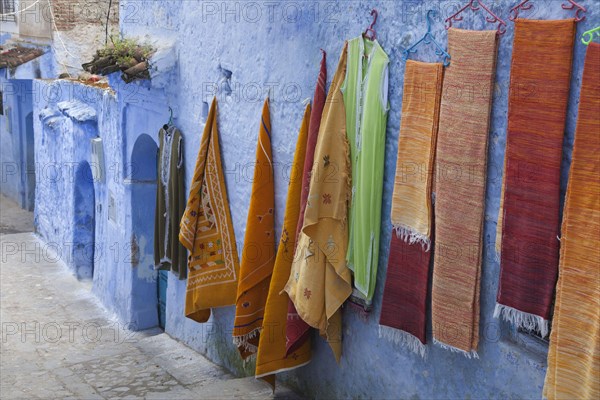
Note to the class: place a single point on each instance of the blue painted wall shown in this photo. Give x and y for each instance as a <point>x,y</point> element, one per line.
<point>238,51</point>
<point>17,167</point>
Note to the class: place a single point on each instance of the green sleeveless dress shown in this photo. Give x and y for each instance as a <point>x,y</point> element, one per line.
<point>365,98</point>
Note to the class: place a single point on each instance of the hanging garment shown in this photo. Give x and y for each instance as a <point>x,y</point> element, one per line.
<point>258,255</point>
<point>169,254</point>
<point>529,226</point>
<point>403,311</point>
<point>574,355</point>
<point>365,91</point>
<point>320,281</point>
<point>461,163</point>
<point>298,331</point>
<point>207,231</point>
<point>271,356</point>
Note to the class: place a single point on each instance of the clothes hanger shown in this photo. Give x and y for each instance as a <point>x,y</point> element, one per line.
<point>571,4</point>
<point>370,33</point>
<point>476,5</point>
<point>170,123</point>
<point>428,39</point>
<point>590,35</point>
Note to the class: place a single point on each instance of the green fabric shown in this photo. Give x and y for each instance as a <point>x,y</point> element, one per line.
<point>169,253</point>
<point>365,99</point>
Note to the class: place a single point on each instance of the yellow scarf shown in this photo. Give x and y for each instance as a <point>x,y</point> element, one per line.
<point>271,357</point>
<point>207,232</point>
<point>320,280</point>
<point>258,255</point>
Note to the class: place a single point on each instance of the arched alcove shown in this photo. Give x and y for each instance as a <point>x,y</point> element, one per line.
<point>146,300</point>
<point>84,224</point>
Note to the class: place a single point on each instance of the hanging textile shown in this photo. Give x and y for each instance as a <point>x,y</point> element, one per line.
<point>365,91</point>
<point>271,356</point>
<point>461,162</point>
<point>403,311</point>
<point>169,254</point>
<point>297,331</point>
<point>574,355</point>
<point>539,92</point>
<point>207,231</point>
<point>258,255</point>
<point>320,281</point>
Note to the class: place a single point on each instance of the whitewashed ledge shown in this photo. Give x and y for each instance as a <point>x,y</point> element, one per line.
<point>77,111</point>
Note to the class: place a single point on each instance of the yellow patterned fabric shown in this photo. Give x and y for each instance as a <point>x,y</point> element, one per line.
<point>574,356</point>
<point>258,255</point>
<point>320,280</point>
<point>206,231</point>
<point>271,357</point>
<point>412,209</point>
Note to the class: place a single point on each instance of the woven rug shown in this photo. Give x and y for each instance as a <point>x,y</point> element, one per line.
<point>574,356</point>
<point>258,255</point>
<point>461,164</point>
<point>320,281</point>
<point>271,356</point>
<point>298,331</point>
<point>206,230</point>
<point>529,226</point>
<point>403,313</point>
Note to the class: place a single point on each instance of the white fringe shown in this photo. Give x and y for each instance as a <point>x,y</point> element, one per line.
<point>468,354</point>
<point>411,237</point>
<point>243,341</point>
<point>403,338</point>
<point>522,319</point>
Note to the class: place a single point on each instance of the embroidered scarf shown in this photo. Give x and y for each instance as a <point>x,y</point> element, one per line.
<point>271,357</point>
<point>365,91</point>
<point>404,300</point>
<point>320,281</point>
<point>207,232</point>
<point>574,356</point>
<point>169,253</point>
<point>297,331</point>
<point>529,222</point>
<point>258,255</point>
<point>461,163</point>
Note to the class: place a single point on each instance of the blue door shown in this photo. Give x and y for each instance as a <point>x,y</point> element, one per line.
<point>163,281</point>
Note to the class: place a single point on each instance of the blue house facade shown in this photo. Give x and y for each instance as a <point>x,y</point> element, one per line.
<point>95,156</point>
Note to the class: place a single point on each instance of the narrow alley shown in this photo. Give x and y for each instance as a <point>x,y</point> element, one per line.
<point>59,342</point>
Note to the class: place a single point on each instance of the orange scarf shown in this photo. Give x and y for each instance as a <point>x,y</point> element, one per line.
<point>271,357</point>
<point>206,231</point>
<point>258,255</point>
<point>574,356</point>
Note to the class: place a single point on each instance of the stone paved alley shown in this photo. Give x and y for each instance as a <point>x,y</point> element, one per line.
<point>58,342</point>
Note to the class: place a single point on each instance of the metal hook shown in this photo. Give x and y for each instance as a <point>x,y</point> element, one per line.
<point>370,29</point>
<point>170,116</point>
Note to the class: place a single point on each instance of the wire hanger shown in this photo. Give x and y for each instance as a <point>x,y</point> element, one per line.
<point>370,32</point>
<point>590,35</point>
<point>428,39</point>
<point>170,123</point>
<point>476,5</point>
<point>525,5</point>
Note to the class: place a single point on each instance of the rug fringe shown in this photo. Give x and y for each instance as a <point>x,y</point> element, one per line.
<point>468,354</point>
<point>411,237</point>
<point>403,338</point>
<point>522,319</point>
<point>244,340</point>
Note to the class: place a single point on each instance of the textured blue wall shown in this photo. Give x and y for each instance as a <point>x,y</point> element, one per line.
<point>17,168</point>
<point>239,50</point>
